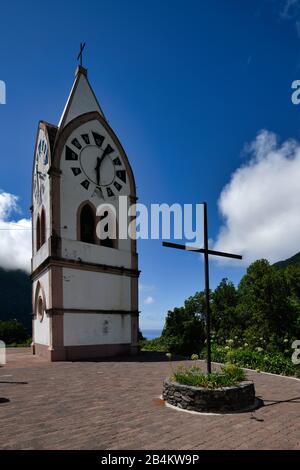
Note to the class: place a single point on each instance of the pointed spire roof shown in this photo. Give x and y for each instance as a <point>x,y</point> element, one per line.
<point>81,100</point>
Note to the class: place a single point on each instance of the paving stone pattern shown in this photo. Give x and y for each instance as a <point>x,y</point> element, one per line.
<point>115,404</point>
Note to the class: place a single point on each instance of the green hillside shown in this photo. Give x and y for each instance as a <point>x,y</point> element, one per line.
<point>15,297</point>
<point>293,261</point>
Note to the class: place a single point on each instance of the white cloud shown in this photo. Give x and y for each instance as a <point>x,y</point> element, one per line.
<point>289,9</point>
<point>149,300</point>
<point>15,235</point>
<point>146,287</point>
<point>261,203</point>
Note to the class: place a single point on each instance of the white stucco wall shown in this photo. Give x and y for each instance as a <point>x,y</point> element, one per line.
<point>95,254</point>
<point>92,290</point>
<point>40,255</point>
<point>91,329</point>
<point>42,330</point>
<point>83,101</point>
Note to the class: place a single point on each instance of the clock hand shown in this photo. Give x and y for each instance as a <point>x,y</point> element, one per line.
<point>37,177</point>
<point>103,155</point>
<point>97,168</point>
<point>108,149</point>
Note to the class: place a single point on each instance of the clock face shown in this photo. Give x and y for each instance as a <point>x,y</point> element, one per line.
<point>40,170</point>
<point>98,169</point>
<point>96,164</point>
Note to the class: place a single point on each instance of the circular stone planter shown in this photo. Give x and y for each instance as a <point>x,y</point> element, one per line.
<point>239,397</point>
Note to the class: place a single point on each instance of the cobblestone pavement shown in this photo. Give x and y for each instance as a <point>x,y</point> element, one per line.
<point>115,404</point>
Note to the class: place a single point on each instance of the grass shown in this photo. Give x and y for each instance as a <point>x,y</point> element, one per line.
<point>230,375</point>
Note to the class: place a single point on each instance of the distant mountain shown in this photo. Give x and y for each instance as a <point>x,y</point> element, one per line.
<point>293,261</point>
<point>15,297</point>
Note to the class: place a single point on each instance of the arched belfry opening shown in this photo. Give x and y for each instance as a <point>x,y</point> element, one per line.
<point>43,228</point>
<point>109,242</point>
<point>38,233</point>
<point>87,223</point>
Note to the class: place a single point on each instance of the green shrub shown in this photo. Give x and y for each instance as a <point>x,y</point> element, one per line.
<point>156,344</point>
<point>276,363</point>
<point>230,375</point>
<point>24,344</point>
<point>12,331</point>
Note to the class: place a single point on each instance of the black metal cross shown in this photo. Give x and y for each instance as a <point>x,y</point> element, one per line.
<point>206,253</point>
<point>79,57</point>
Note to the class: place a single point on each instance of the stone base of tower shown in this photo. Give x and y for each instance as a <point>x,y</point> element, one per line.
<point>49,353</point>
<point>77,353</point>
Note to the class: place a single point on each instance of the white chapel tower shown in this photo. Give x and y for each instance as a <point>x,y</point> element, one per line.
<point>85,290</point>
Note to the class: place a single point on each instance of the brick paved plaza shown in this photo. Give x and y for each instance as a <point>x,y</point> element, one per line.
<point>115,405</point>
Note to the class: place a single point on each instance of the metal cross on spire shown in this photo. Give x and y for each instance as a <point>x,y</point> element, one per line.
<point>79,57</point>
<point>206,253</point>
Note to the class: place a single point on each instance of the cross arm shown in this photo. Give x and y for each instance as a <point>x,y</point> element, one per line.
<point>201,250</point>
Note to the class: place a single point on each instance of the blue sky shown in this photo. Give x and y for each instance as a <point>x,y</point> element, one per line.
<point>185,85</point>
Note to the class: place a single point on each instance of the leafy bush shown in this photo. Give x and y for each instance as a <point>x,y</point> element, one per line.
<point>243,356</point>
<point>24,344</point>
<point>264,307</point>
<point>156,344</point>
<point>230,375</point>
<point>12,331</point>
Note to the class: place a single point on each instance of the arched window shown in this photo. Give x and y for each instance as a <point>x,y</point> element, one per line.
<point>87,224</point>
<point>43,228</point>
<point>40,309</point>
<point>108,242</point>
<point>38,233</point>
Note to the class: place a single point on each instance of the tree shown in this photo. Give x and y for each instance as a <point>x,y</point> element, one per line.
<point>12,331</point>
<point>184,330</point>
<point>264,304</point>
<point>223,307</point>
<point>292,276</point>
<point>264,310</point>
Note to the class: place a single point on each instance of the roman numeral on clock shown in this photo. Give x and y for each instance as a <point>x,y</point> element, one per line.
<point>122,175</point>
<point>76,143</point>
<point>70,154</point>
<point>117,161</point>
<point>109,192</point>
<point>86,138</point>
<point>108,149</point>
<point>117,186</point>
<point>98,139</point>
<point>85,184</point>
<point>76,171</point>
